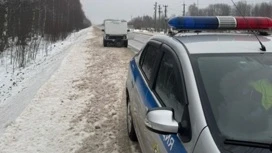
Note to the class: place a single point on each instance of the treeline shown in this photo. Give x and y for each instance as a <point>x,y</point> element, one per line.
<point>142,22</point>
<point>148,23</point>
<point>243,8</point>
<point>25,24</point>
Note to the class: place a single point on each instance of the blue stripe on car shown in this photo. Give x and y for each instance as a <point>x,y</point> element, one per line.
<point>150,102</point>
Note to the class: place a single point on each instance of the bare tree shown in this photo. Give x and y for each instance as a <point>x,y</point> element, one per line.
<point>263,9</point>
<point>243,9</point>
<point>193,10</point>
<point>25,23</point>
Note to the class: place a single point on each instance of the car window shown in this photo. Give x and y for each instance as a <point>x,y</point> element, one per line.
<point>148,60</point>
<point>238,89</point>
<point>166,86</point>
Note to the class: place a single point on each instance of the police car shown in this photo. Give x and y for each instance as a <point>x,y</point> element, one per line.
<point>203,92</point>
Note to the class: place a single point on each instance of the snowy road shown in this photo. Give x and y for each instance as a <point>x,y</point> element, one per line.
<point>80,108</point>
<point>137,40</point>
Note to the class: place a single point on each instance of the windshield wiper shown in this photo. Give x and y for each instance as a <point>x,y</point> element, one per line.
<point>248,144</point>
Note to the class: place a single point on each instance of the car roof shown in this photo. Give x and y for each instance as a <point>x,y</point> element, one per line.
<point>206,43</point>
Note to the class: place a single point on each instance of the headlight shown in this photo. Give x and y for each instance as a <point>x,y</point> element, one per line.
<point>107,37</point>
<point>125,37</point>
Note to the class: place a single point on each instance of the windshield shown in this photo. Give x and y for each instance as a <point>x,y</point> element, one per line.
<point>238,89</point>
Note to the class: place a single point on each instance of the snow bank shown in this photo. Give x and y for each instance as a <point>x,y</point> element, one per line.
<point>18,88</point>
<point>81,108</point>
<point>44,126</point>
<point>15,80</point>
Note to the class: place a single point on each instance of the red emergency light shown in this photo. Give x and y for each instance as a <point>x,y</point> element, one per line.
<point>253,23</point>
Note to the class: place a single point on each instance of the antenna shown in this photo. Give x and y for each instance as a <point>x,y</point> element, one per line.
<point>263,48</point>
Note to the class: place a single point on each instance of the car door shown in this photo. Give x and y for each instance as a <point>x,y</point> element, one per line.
<point>147,64</point>
<point>169,90</point>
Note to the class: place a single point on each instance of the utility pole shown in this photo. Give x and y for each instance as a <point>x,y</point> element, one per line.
<point>197,7</point>
<point>160,11</point>
<point>165,18</point>
<point>184,8</point>
<point>155,15</point>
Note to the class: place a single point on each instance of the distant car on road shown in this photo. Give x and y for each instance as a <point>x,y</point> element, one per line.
<point>115,33</point>
<point>203,92</point>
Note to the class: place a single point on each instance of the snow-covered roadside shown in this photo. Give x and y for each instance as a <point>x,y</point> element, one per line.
<point>18,89</point>
<point>43,125</point>
<point>15,80</point>
<point>80,109</point>
<point>105,115</point>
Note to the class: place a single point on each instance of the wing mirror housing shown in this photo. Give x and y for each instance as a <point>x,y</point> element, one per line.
<point>103,30</point>
<point>161,121</point>
<point>128,30</point>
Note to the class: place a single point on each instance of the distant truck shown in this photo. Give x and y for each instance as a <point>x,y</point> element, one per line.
<point>115,33</point>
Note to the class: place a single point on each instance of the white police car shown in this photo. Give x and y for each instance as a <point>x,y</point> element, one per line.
<point>203,92</point>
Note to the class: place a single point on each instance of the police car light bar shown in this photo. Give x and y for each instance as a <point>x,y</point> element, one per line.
<point>220,22</point>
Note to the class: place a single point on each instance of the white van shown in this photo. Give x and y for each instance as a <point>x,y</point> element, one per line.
<point>115,33</point>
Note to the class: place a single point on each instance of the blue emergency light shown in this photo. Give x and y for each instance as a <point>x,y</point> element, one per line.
<point>220,22</point>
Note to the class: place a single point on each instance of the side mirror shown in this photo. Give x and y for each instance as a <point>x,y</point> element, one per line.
<point>128,30</point>
<point>103,30</point>
<point>161,121</point>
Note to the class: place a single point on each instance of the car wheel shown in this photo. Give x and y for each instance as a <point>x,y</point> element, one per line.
<point>118,43</point>
<point>130,126</point>
<point>105,43</point>
<point>126,44</point>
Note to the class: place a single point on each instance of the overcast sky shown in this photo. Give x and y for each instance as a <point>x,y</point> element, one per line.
<point>98,10</point>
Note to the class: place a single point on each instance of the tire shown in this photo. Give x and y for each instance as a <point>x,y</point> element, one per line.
<point>118,43</point>
<point>105,43</point>
<point>126,44</point>
<point>130,126</point>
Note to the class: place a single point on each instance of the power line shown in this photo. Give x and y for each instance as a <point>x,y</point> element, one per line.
<point>165,17</point>
<point>197,7</point>
<point>165,10</point>
<point>155,15</point>
<point>184,8</point>
<point>160,11</point>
